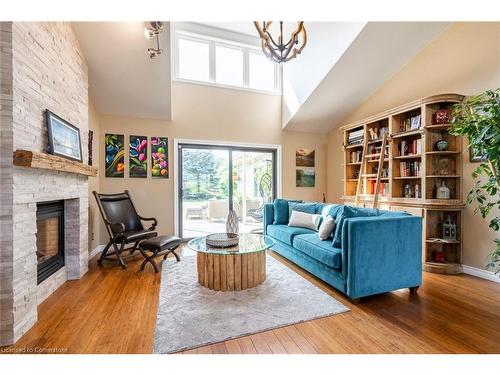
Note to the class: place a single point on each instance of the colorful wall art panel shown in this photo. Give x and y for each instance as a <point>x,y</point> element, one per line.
<point>115,155</point>
<point>159,157</point>
<point>138,166</point>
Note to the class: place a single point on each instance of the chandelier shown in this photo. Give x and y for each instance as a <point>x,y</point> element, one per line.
<point>278,50</point>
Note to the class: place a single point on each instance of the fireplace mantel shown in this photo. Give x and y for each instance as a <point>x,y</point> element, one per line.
<point>40,160</point>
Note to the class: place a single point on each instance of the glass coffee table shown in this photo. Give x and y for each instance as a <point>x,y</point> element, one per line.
<point>233,268</point>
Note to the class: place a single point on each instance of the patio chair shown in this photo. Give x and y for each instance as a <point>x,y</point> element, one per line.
<point>265,191</point>
<point>123,223</point>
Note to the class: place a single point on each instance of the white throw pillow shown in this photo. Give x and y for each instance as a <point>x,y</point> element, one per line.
<point>304,220</point>
<point>326,228</point>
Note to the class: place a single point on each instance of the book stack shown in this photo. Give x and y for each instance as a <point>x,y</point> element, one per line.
<point>383,188</point>
<point>356,156</point>
<point>409,168</point>
<point>412,147</point>
<point>410,123</point>
<point>355,137</point>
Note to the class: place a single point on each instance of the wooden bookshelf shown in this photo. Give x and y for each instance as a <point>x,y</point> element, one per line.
<point>412,136</point>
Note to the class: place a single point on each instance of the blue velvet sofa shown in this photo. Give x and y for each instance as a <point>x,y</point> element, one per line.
<point>375,251</point>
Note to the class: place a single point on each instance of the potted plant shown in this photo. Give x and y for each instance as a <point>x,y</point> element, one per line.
<point>478,119</point>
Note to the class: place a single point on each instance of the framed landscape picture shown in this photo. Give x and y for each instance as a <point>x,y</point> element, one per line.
<point>304,157</point>
<point>305,177</point>
<point>159,157</point>
<point>114,155</point>
<point>64,138</point>
<point>138,156</point>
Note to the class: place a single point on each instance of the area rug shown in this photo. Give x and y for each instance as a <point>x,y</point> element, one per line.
<point>190,315</point>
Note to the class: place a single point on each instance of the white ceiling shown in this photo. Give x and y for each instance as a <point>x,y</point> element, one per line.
<point>379,51</point>
<point>123,80</point>
<point>244,27</point>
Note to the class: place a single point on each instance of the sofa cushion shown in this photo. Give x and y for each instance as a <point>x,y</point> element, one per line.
<point>322,251</point>
<point>347,212</point>
<point>280,208</point>
<point>286,234</point>
<point>309,208</point>
<point>280,211</point>
<point>332,210</point>
<point>319,208</point>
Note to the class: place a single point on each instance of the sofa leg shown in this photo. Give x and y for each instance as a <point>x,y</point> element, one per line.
<point>355,301</point>
<point>413,290</point>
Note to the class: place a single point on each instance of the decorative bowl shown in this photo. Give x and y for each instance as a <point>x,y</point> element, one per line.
<point>442,145</point>
<point>222,239</point>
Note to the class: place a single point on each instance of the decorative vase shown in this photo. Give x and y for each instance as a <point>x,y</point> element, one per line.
<point>440,117</point>
<point>407,191</point>
<point>443,192</point>
<point>442,145</point>
<point>232,222</point>
<point>439,256</point>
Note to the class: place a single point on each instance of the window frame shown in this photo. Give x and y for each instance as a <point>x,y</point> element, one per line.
<point>177,58</point>
<point>213,42</point>
<point>244,77</point>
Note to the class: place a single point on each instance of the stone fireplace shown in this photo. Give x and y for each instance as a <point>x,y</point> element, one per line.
<point>41,67</point>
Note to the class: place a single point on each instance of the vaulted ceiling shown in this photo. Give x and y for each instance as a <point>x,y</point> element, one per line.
<point>123,80</point>
<point>342,65</point>
<point>378,52</point>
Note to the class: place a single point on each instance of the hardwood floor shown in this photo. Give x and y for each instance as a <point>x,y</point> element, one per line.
<point>111,310</point>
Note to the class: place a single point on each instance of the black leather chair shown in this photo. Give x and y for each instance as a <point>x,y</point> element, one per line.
<point>123,223</point>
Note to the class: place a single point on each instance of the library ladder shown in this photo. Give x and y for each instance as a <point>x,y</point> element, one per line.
<point>362,171</point>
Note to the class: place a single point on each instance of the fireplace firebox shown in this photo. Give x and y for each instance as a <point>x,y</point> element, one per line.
<point>49,238</point>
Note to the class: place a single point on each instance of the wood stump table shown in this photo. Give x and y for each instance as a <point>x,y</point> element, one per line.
<point>232,269</point>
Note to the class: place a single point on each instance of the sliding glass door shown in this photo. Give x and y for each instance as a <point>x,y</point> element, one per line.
<point>216,179</point>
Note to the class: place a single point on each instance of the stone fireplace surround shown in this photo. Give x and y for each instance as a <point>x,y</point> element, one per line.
<point>41,67</point>
<point>33,186</point>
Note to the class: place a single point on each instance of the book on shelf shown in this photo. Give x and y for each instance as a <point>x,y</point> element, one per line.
<point>355,141</point>
<point>375,149</point>
<point>356,156</point>
<point>410,123</point>
<point>409,168</point>
<point>411,147</point>
<point>356,133</point>
<point>355,137</point>
<point>383,188</point>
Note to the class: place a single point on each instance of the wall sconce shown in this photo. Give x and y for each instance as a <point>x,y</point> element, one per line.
<point>153,31</point>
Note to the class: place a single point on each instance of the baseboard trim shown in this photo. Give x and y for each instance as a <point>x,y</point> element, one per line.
<point>96,251</point>
<point>483,274</point>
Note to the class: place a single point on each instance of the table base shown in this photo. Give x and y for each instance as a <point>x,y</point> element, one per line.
<point>229,273</point>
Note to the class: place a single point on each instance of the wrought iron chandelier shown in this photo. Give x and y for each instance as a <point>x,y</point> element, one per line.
<point>277,49</point>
